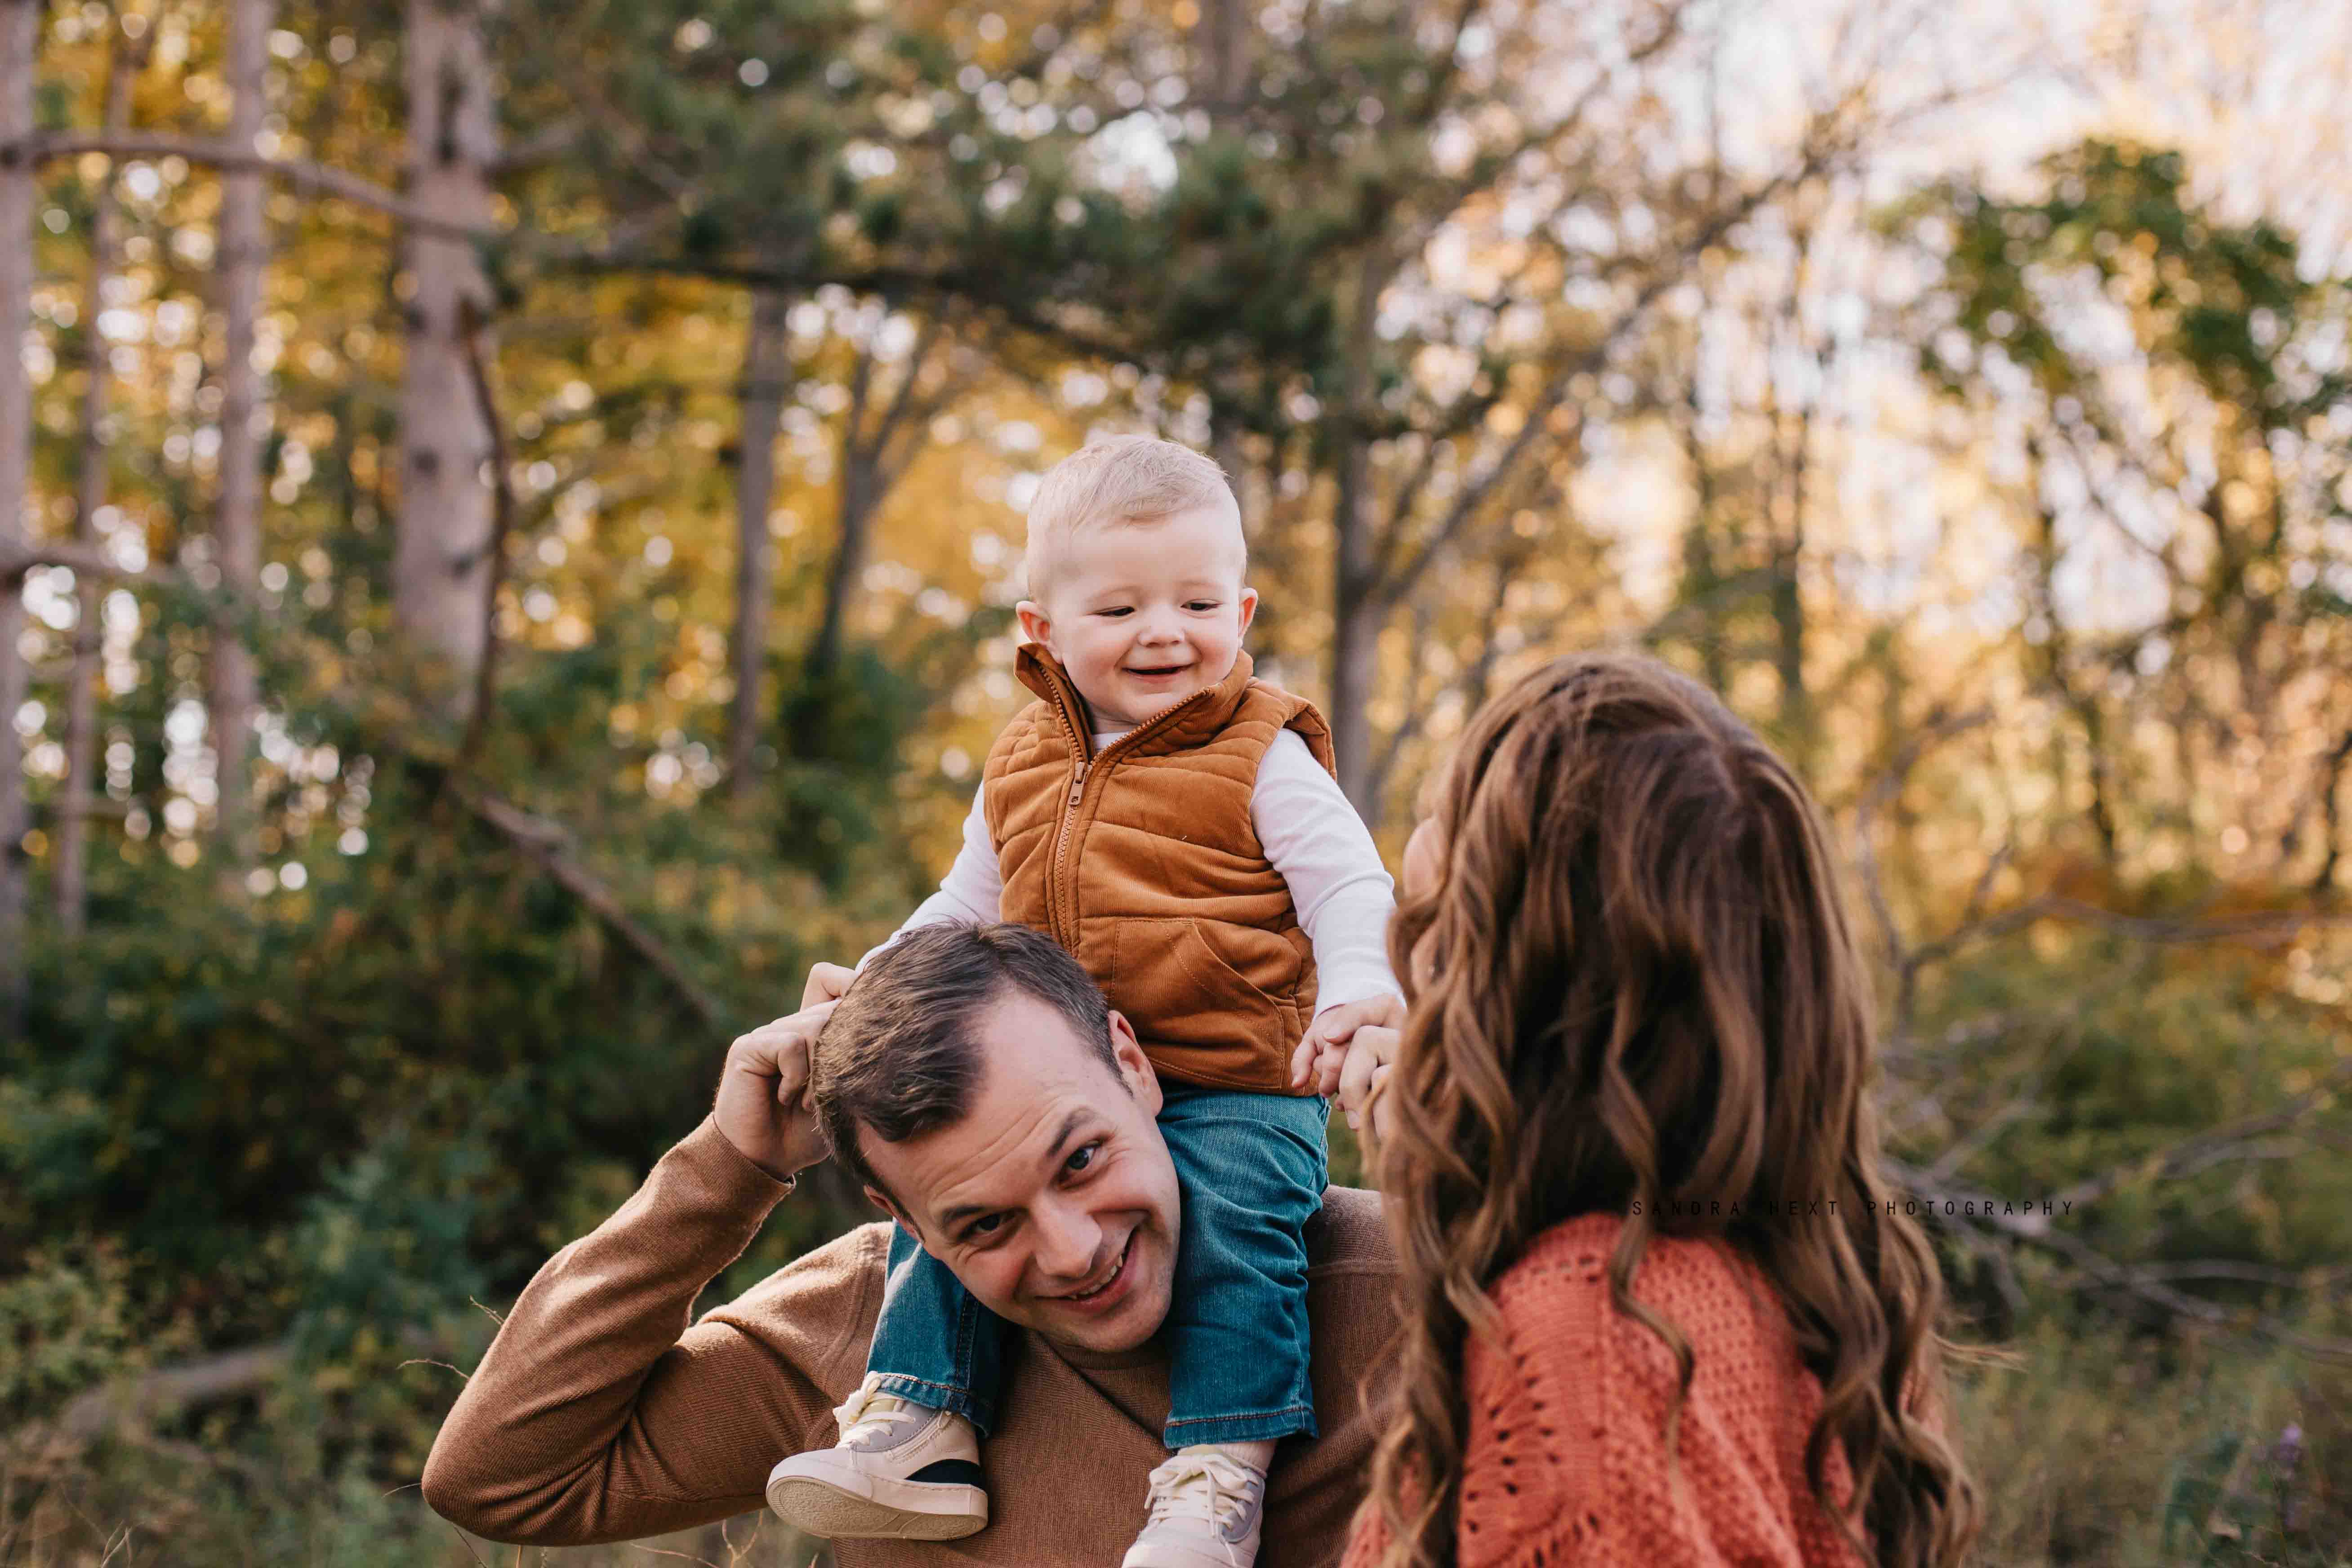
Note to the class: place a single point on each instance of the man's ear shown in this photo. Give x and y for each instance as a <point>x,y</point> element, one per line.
<point>881,1200</point>
<point>1134,1069</point>
<point>1034,624</point>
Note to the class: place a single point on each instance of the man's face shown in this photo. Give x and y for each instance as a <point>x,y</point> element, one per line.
<point>1052,1200</point>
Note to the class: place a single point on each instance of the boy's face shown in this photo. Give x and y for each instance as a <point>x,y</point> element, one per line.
<point>1144,615</point>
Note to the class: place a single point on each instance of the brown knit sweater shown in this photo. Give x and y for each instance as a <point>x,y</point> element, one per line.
<point>604,1412</point>
<point>1565,1458</point>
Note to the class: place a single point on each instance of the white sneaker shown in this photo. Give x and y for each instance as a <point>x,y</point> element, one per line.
<point>899,1472</point>
<point>1206,1511</point>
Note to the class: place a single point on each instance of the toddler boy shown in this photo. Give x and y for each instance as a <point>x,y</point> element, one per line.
<point>1175,824</point>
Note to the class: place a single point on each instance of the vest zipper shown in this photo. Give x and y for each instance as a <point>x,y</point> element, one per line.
<point>1064,928</point>
<point>1061,854</point>
<point>1079,743</point>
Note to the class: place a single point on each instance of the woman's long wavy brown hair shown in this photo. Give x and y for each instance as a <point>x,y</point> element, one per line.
<point>1633,987</point>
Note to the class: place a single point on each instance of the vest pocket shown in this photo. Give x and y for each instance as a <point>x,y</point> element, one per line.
<point>1184,990</point>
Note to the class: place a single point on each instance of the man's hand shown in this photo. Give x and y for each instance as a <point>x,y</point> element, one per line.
<point>1322,1054</point>
<point>763,1107</point>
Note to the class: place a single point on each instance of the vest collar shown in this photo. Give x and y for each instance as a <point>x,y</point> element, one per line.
<point>1188,723</point>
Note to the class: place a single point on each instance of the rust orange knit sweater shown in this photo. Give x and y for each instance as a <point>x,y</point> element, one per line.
<point>1566,1461</point>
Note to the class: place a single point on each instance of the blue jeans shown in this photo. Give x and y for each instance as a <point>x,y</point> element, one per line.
<point>1252,1170</point>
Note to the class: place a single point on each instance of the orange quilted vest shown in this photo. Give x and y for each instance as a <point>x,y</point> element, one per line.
<point>1142,860</point>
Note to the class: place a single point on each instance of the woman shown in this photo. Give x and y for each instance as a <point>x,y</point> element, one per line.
<point>1658,1306</point>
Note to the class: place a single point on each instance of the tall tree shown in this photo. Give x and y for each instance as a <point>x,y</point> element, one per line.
<point>2175,383</point>
<point>19,40</point>
<point>237,525</point>
<point>441,565</point>
<point>78,793</point>
<point>767,367</point>
<point>878,438</point>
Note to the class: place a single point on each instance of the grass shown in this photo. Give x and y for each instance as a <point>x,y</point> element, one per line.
<point>2091,1444</point>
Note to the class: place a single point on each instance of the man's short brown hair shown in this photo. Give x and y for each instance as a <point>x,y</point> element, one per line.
<point>900,1055</point>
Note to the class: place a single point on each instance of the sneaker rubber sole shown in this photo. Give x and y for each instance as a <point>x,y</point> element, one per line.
<point>858,1508</point>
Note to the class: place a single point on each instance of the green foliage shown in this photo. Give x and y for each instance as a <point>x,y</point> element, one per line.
<point>64,1323</point>
<point>2224,300</point>
<point>2093,1446</point>
<point>2153,1052</point>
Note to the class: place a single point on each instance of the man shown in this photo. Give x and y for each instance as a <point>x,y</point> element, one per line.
<point>982,1087</point>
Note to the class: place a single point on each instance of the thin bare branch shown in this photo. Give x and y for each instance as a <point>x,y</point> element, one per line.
<point>302,174</point>
<point>206,1380</point>
<point>1969,1211</point>
<point>17,560</point>
<point>1399,580</point>
<point>1880,794</point>
<point>2246,1138</point>
<point>549,843</point>
<point>2261,930</point>
<point>934,325</point>
<point>502,514</point>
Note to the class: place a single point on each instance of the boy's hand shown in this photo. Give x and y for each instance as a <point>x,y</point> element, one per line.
<point>763,1108</point>
<point>826,981</point>
<point>1322,1054</point>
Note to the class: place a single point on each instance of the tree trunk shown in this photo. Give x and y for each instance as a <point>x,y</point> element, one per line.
<point>68,878</point>
<point>1357,610</point>
<point>1225,58</point>
<point>1796,718</point>
<point>19,41</point>
<point>1357,616</point>
<point>1703,573</point>
<point>766,366</point>
<point>861,492</point>
<point>2080,699</point>
<point>441,551</point>
<point>236,527</point>
<point>1222,89</point>
<point>860,495</point>
<point>2322,881</point>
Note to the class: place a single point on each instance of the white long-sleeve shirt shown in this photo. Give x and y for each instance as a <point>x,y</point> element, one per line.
<point>1342,893</point>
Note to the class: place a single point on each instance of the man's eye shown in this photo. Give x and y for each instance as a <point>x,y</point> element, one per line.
<point>987,1226</point>
<point>1083,1159</point>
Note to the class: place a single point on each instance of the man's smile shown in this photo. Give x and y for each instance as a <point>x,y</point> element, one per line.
<point>1101,1295</point>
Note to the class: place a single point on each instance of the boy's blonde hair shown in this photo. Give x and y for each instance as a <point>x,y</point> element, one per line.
<point>1117,478</point>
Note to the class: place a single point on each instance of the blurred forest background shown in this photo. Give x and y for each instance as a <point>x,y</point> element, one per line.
<point>508,512</point>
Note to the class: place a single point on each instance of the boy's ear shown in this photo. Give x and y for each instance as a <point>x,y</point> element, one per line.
<point>1249,607</point>
<point>1033,624</point>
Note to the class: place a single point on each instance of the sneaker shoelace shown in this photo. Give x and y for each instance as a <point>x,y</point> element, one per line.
<point>870,1413</point>
<point>1209,1489</point>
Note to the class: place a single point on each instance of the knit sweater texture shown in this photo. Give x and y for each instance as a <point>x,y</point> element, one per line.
<point>1566,1461</point>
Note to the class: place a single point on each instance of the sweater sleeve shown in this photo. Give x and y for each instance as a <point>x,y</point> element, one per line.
<point>973,893</point>
<point>598,1413</point>
<point>1343,894</point>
